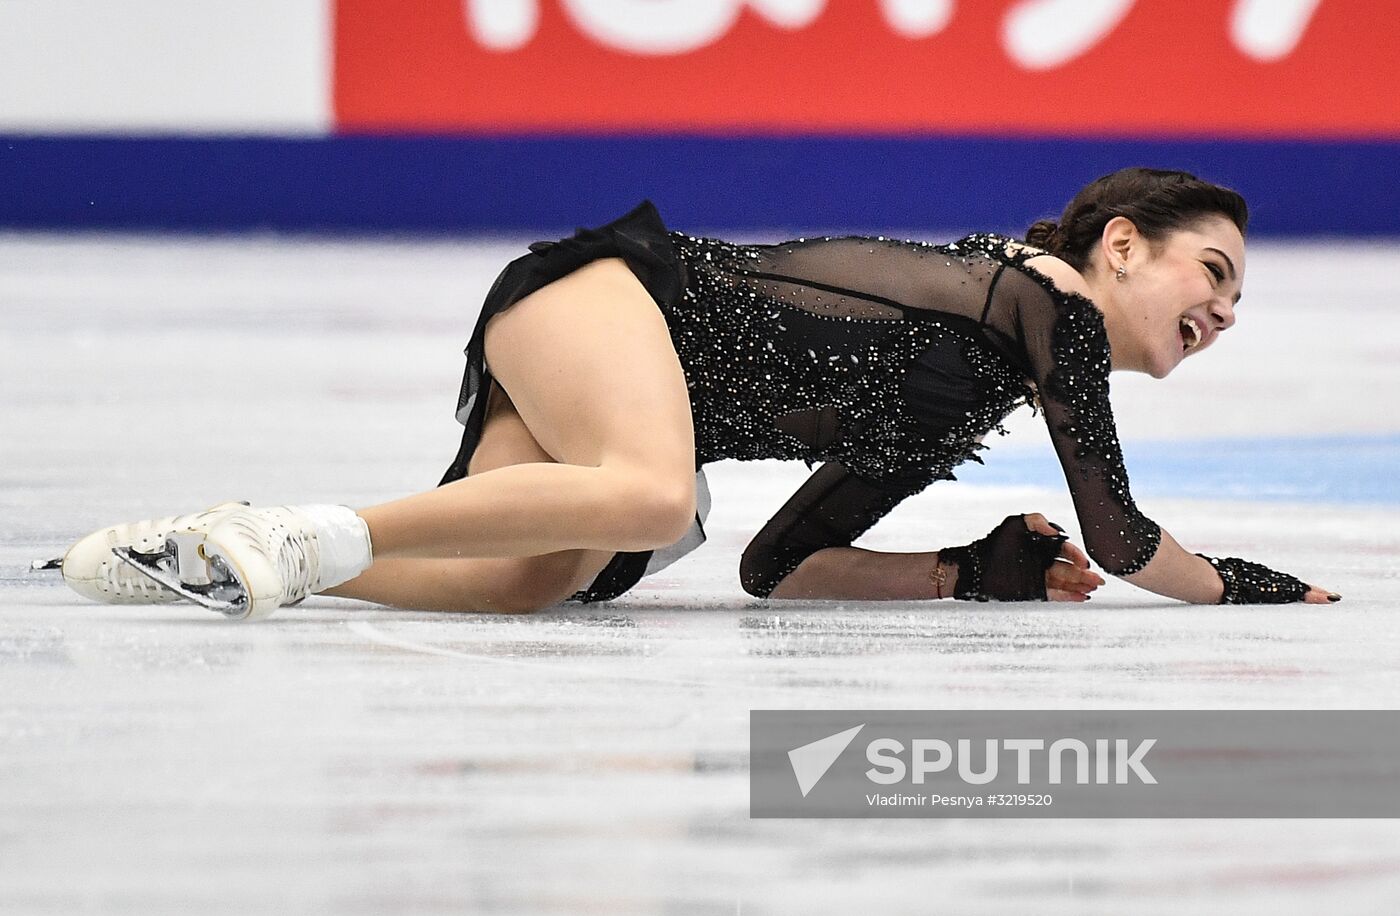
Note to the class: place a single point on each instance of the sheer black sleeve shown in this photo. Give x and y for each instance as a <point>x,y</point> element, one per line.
<point>1056,339</point>
<point>1068,354</point>
<point>832,509</point>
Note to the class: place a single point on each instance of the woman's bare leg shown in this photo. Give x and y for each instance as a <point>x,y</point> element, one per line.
<point>611,397</point>
<point>514,585</point>
<point>589,365</point>
<point>509,585</point>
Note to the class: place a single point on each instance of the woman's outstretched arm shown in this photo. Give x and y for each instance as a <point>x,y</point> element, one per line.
<point>1067,345</point>
<point>1175,572</point>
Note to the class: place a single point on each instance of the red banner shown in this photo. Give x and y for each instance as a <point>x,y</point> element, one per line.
<point>1227,68</point>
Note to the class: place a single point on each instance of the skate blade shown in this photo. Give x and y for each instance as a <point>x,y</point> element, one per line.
<point>55,563</point>
<point>225,598</point>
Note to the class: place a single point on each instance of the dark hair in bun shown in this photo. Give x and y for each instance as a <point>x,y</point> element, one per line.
<point>1158,202</point>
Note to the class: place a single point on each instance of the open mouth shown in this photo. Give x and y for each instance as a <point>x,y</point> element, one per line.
<point>1191,334</point>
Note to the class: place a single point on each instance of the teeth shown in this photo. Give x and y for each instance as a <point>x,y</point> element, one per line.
<point>1192,332</point>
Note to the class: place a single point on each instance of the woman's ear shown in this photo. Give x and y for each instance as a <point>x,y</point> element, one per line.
<point>1120,240</point>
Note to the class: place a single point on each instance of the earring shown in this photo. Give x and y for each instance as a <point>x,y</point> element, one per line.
<point>1122,272</point>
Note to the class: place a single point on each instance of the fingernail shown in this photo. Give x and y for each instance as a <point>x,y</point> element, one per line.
<point>1333,596</point>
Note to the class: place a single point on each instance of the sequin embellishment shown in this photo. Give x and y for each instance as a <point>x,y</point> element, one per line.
<point>1252,583</point>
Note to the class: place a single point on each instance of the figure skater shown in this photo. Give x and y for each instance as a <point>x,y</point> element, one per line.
<point>607,368</point>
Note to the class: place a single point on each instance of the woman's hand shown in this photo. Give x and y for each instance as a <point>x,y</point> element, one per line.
<point>1243,582</point>
<point>1317,595</point>
<point>1069,577</point>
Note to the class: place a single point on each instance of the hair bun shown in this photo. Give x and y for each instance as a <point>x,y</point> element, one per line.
<point>1042,233</point>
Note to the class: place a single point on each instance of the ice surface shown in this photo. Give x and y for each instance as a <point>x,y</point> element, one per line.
<point>343,758</point>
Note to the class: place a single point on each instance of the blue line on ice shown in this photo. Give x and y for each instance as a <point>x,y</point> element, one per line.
<point>1340,469</point>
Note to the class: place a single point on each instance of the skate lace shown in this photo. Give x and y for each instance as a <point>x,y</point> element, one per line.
<point>122,581</point>
<point>296,564</point>
<point>295,553</point>
<point>294,567</point>
<point>128,583</point>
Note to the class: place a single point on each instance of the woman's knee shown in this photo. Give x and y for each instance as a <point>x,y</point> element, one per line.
<point>658,512</point>
<point>531,584</point>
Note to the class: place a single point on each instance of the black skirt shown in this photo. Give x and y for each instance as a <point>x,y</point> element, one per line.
<point>640,239</point>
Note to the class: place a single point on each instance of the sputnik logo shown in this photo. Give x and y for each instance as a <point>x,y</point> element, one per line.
<point>811,761</point>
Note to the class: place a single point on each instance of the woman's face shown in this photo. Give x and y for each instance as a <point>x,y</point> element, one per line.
<point>1179,294</point>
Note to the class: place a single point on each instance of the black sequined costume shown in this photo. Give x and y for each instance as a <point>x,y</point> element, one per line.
<point>888,361</point>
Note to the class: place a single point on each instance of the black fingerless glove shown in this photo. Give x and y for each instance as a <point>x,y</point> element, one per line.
<point>1251,583</point>
<point>1007,565</point>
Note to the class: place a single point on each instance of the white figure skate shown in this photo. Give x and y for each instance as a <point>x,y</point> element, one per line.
<point>95,567</point>
<point>241,562</point>
<point>273,554</point>
<point>249,562</point>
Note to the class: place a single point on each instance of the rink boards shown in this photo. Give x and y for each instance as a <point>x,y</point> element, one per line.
<point>799,115</point>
